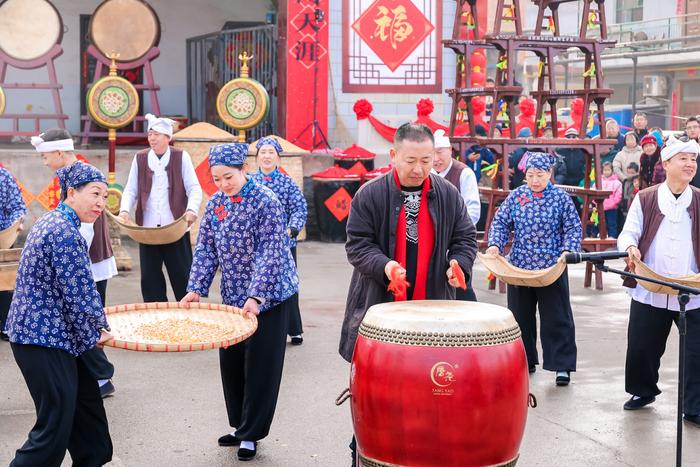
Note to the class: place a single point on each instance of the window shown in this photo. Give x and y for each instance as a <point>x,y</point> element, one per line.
<point>629,10</point>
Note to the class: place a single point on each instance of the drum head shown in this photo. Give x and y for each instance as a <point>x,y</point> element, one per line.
<point>126,27</point>
<point>29,28</point>
<point>440,316</point>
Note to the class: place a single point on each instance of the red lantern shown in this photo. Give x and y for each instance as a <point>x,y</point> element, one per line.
<point>478,79</point>
<point>478,60</point>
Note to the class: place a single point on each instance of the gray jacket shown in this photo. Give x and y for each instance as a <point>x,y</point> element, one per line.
<point>371,242</point>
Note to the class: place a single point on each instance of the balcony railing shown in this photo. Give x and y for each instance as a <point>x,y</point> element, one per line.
<point>671,33</point>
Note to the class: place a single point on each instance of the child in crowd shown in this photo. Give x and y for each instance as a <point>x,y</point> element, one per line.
<point>611,183</point>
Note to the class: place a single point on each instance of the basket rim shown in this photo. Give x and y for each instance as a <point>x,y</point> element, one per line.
<point>128,344</point>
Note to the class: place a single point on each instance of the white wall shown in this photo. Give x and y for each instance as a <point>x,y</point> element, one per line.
<point>342,124</point>
<point>180,19</point>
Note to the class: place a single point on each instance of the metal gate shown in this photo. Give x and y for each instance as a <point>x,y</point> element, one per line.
<point>212,61</point>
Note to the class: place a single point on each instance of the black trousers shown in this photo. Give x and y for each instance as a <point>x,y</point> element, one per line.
<point>95,359</point>
<point>5,301</point>
<point>251,373</point>
<point>177,257</point>
<point>467,295</point>
<point>557,328</point>
<point>69,411</point>
<point>647,334</point>
<point>295,326</point>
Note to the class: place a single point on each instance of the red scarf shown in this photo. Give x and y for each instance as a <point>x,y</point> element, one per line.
<point>426,242</point>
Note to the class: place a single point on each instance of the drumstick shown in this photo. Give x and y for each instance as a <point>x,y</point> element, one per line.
<point>398,284</point>
<point>459,274</point>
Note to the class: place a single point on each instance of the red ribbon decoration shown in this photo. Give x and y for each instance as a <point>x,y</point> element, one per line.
<point>398,284</point>
<point>459,274</point>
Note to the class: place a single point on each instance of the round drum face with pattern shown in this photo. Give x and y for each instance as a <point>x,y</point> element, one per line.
<point>129,28</point>
<point>113,102</point>
<point>242,103</point>
<point>29,28</point>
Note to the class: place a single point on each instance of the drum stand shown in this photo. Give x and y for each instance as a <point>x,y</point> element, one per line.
<point>683,299</point>
<point>150,85</point>
<point>53,85</point>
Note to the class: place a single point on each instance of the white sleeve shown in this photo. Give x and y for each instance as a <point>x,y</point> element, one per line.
<point>87,231</point>
<point>469,190</point>
<point>632,229</point>
<point>191,182</point>
<point>130,193</point>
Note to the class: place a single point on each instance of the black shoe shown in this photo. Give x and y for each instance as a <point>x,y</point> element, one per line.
<point>4,337</point>
<point>248,454</point>
<point>229,440</point>
<point>563,379</point>
<point>297,340</point>
<point>531,369</point>
<point>692,420</point>
<point>107,389</point>
<point>636,404</point>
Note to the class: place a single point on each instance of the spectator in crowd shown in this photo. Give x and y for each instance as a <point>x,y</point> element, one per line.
<point>610,182</point>
<point>651,171</point>
<point>477,155</point>
<point>547,132</point>
<point>692,128</point>
<point>498,131</point>
<point>632,172</point>
<point>635,190</point>
<point>692,131</point>
<point>612,131</point>
<point>658,133</point>
<point>575,160</point>
<point>640,124</point>
<point>630,153</point>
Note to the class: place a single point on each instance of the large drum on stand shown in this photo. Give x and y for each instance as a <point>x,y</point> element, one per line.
<point>439,383</point>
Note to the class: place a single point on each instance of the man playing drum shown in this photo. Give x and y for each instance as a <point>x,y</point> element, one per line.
<point>544,224</point>
<point>163,186</point>
<point>408,223</point>
<point>662,229</point>
<point>56,149</point>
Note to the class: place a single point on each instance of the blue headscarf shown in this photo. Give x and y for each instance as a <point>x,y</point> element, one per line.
<point>539,160</point>
<point>272,142</point>
<point>77,175</point>
<point>228,154</point>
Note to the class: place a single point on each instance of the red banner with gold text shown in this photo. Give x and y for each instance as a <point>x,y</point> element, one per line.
<point>306,69</point>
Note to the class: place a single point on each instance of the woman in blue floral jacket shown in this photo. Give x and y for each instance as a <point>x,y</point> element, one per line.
<point>244,233</point>
<point>56,315</point>
<point>544,224</point>
<point>295,210</point>
<point>12,207</point>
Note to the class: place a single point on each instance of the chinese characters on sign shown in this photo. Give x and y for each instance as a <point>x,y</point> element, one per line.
<point>392,45</point>
<point>392,25</point>
<point>306,65</point>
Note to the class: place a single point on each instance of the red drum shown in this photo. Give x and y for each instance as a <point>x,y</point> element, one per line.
<point>439,383</point>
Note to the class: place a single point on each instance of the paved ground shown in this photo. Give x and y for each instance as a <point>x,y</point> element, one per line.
<point>168,409</point>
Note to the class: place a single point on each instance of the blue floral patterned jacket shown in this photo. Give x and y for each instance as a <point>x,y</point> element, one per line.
<point>12,205</point>
<point>56,303</point>
<point>290,196</point>
<point>246,236</point>
<point>543,224</point>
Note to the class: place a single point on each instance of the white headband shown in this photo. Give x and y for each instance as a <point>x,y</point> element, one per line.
<point>441,141</point>
<point>50,146</point>
<point>671,148</point>
<point>160,125</point>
